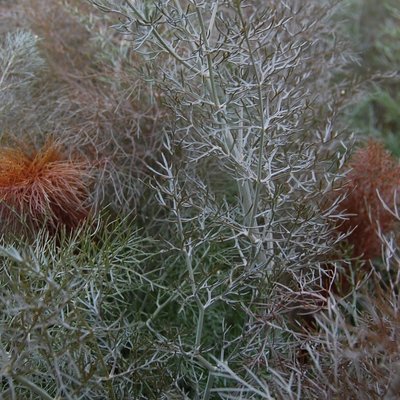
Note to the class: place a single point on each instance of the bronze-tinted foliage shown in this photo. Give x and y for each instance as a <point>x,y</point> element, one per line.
<point>41,188</point>
<point>373,171</point>
<point>103,109</point>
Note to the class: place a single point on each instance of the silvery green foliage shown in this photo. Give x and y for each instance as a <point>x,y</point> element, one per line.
<point>251,151</point>
<point>216,306</point>
<point>20,60</point>
<point>66,329</point>
<point>20,63</point>
<point>244,89</point>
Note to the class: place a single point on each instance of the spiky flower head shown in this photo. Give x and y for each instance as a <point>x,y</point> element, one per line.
<point>42,188</point>
<point>373,182</point>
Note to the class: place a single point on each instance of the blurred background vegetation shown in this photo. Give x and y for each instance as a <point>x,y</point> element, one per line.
<point>373,31</point>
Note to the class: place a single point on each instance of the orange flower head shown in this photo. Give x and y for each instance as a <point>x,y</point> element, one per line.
<point>42,188</point>
<point>373,171</point>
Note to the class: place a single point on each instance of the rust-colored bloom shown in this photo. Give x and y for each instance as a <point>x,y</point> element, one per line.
<point>373,171</point>
<point>41,188</point>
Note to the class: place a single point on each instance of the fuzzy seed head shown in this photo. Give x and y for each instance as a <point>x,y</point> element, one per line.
<point>41,188</point>
<point>373,171</point>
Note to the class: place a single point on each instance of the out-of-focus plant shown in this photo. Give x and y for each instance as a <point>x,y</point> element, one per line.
<point>72,81</point>
<point>20,65</point>
<point>373,30</point>
<point>98,109</point>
